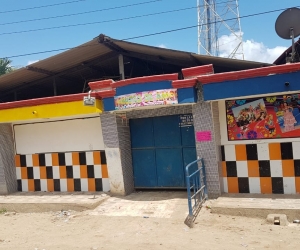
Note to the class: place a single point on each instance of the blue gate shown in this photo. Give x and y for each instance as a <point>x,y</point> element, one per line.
<point>196,187</point>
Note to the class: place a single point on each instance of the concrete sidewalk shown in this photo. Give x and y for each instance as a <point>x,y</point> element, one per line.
<point>257,205</point>
<point>30,202</point>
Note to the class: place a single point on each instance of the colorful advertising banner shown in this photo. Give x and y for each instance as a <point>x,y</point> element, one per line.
<point>147,98</point>
<point>263,118</point>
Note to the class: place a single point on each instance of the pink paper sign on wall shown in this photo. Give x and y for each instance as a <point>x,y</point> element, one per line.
<point>203,135</point>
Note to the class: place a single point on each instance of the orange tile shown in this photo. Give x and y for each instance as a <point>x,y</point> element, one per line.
<point>70,185</point>
<point>288,168</point>
<point>240,153</point>
<point>297,185</point>
<point>266,185</point>
<point>75,158</point>
<point>63,172</point>
<point>224,170</point>
<point>253,168</point>
<point>97,157</point>
<point>24,173</point>
<point>233,185</point>
<point>31,185</point>
<point>35,160</point>
<point>83,171</point>
<point>274,151</point>
<point>43,174</point>
<point>55,159</point>
<point>17,161</point>
<point>104,171</point>
<point>50,185</point>
<point>91,185</point>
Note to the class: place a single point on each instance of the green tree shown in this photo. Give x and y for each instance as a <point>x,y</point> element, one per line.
<point>5,66</point>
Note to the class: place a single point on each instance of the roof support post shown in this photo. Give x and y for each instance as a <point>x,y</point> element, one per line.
<point>121,67</point>
<point>54,87</point>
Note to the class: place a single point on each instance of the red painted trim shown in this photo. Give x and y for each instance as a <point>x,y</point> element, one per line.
<point>46,100</point>
<point>107,93</point>
<point>186,83</point>
<point>250,73</point>
<point>144,79</point>
<point>101,84</point>
<point>199,70</point>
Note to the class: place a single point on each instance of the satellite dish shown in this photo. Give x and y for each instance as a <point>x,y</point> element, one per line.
<point>287,26</point>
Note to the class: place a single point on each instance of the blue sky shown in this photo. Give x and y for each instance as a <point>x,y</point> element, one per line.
<point>260,38</point>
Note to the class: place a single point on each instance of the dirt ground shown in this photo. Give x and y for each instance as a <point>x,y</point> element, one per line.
<point>100,229</point>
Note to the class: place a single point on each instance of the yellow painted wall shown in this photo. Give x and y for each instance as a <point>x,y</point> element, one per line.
<point>49,111</point>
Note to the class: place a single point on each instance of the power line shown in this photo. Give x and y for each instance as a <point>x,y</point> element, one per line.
<point>141,36</point>
<point>79,13</point>
<point>42,6</point>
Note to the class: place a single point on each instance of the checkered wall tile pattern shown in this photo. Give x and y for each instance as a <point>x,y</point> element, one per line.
<point>267,168</point>
<point>72,171</point>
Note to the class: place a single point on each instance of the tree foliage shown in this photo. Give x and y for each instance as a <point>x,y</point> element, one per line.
<point>5,66</point>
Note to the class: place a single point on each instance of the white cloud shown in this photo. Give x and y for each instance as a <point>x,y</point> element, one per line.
<point>31,62</point>
<point>162,46</point>
<point>253,51</point>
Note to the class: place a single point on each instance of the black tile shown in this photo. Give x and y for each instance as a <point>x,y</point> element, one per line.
<point>49,172</point>
<point>231,169</point>
<point>98,182</point>
<point>286,150</point>
<point>30,172</point>
<point>264,168</point>
<point>42,160</point>
<point>61,159</point>
<point>82,158</point>
<point>37,185</point>
<point>23,160</point>
<point>251,150</point>
<point>277,185</point>
<point>243,185</point>
<point>19,182</point>
<point>69,171</point>
<point>297,167</point>
<point>77,185</point>
<point>56,185</point>
<point>223,153</point>
<point>90,171</point>
<point>103,157</point>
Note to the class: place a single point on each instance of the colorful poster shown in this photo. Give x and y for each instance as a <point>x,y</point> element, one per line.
<point>147,98</point>
<point>263,118</point>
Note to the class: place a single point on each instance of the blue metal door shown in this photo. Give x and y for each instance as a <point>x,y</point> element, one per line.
<point>161,148</point>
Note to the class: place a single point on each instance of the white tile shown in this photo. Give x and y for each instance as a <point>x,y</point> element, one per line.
<point>84,184</point>
<point>254,185</point>
<point>48,158</point>
<point>105,185</point>
<point>18,173</point>
<point>68,157</point>
<point>24,185</point>
<point>56,174</point>
<point>36,173</point>
<point>276,168</point>
<point>289,185</point>
<point>89,158</point>
<point>76,171</point>
<point>230,152</point>
<point>263,151</point>
<point>242,168</point>
<point>44,185</point>
<point>63,185</point>
<point>29,162</point>
<point>225,183</point>
<point>296,149</point>
<point>97,171</point>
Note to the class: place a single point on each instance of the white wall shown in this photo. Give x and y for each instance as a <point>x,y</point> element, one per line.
<point>59,136</point>
<point>223,128</point>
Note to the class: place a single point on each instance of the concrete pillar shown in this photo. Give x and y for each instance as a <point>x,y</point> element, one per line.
<point>8,178</point>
